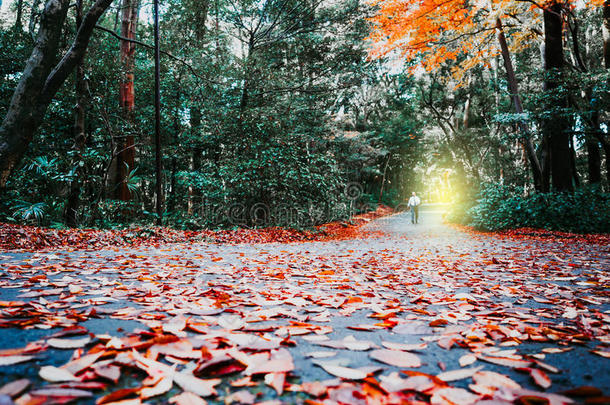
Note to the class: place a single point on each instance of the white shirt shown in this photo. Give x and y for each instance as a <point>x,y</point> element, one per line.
<point>414,201</point>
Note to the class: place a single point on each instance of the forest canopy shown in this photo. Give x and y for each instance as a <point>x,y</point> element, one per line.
<point>298,112</point>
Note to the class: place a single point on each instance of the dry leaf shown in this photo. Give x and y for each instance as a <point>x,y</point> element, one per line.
<point>55,374</point>
<point>396,358</point>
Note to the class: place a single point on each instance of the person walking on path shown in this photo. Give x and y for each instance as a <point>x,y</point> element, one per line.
<point>414,202</point>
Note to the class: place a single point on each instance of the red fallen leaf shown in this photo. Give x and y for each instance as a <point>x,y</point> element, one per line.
<point>241,397</point>
<point>601,400</point>
<point>68,343</point>
<point>506,361</point>
<point>372,391</point>
<point>37,278</point>
<point>243,382</point>
<point>196,385</point>
<point>459,374</point>
<point>494,380</point>
<point>187,398</point>
<point>419,383</point>
<point>437,381</point>
<point>12,304</point>
<point>15,388</point>
<point>539,377</point>
<point>280,362</point>
<point>584,391</point>
<point>446,342</point>
<point>413,328</point>
<point>118,395</point>
<point>404,346</point>
<point>314,388</point>
<point>276,381</point>
<point>453,396</point>
<point>55,374</point>
<point>109,372</point>
<point>343,372</point>
<point>70,331</point>
<point>80,385</point>
<point>28,399</point>
<point>160,388</point>
<point>219,366</point>
<point>439,322</point>
<point>253,342</point>
<point>61,392</point>
<point>396,358</point>
<point>80,364</point>
<point>365,328</point>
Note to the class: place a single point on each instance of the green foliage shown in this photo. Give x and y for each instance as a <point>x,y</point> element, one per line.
<point>500,207</point>
<point>275,133</point>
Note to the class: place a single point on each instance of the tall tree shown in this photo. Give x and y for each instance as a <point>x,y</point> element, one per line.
<point>78,166</point>
<point>555,127</point>
<point>41,79</point>
<point>126,145</point>
<point>430,33</point>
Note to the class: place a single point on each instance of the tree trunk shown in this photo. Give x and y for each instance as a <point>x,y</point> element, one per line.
<point>33,17</point>
<point>606,33</point>
<point>385,170</point>
<point>41,79</point>
<point>247,71</point>
<point>556,128</point>
<point>594,161</point>
<point>18,22</point>
<point>72,204</point>
<point>171,201</point>
<point>606,38</point>
<point>513,87</point>
<point>606,146</point>
<point>194,193</point>
<point>126,147</point>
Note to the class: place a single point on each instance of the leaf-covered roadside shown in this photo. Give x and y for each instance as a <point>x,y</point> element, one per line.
<point>35,238</point>
<point>437,317</point>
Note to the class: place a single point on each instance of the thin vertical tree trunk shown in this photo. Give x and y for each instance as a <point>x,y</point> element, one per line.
<point>606,33</point>
<point>606,38</point>
<point>594,161</point>
<point>18,22</point>
<point>73,202</point>
<point>194,193</point>
<point>171,200</point>
<point>126,147</point>
<point>385,170</point>
<point>33,17</point>
<point>158,156</point>
<point>556,128</point>
<point>513,87</point>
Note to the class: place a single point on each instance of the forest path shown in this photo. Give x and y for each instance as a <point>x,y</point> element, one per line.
<point>482,292</point>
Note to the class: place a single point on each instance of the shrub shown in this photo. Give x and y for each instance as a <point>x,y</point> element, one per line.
<point>498,207</point>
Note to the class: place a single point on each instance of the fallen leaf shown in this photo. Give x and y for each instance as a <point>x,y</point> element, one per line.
<point>15,388</point>
<point>11,360</point>
<point>467,360</point>
<point>160,388</point>
<point>343,372</point>
<point>55,374</point>
<point>68,343</point>
<point>453,396</point>
<point>459,374</point>
<point>187,398</point>
<point>396,358</point>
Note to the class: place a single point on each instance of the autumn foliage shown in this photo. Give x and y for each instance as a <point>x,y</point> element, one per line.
<point>35,238</point>
<point>428,33</point>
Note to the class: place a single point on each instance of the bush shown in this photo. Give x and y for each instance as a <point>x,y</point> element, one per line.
<point>499,207</point>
